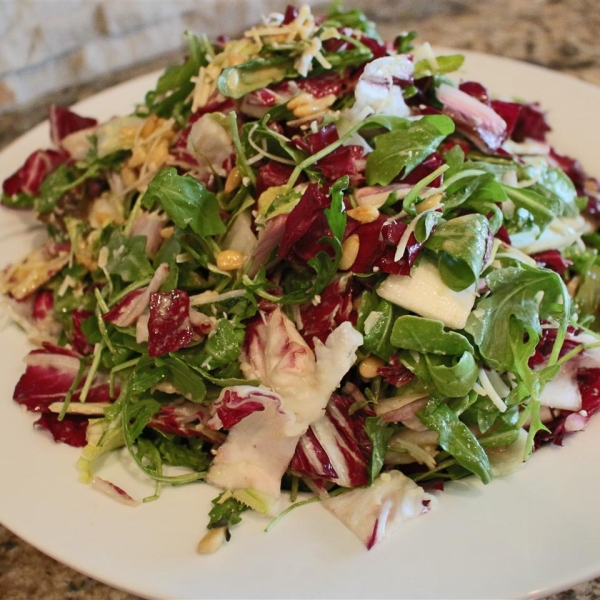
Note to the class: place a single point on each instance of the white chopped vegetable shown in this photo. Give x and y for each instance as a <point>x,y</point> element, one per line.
<point>425,294</point>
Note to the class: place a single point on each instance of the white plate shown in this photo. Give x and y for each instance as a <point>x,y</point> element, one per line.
<point>527,535</point>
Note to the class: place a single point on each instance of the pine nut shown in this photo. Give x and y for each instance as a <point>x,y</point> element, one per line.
<point>128,176</point>
<point>306,104</point>
<point>369,366</point>
<point>229,260</point>
<point>149,126</point>
<point>234,179</point>
<point>166,232</point>
<point>350,247</point>
<point>212,541</point>
<point>364,214</point>
<point>137,159</point>
<point>430,203</point>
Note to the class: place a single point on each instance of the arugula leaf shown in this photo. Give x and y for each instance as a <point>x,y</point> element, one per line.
<point>188,382</point>
<point>223,347</point>
<point>442,376</point>
<point>445,64</point>
<point>587,298</point>
<point>377,338</point>
<point>368,303</point>
<point>146,375</point>
<point>428,336</point>
<point>127,257</point>
<point>543,209</point>
<point>404,42</point>
<point>379,433</point>
<point>455,159</point>
<point>19,200</point>
<point>182,452</point>
<point>556,185</point>
<point>461,246</point>
<point>451,379</point>
<point>175,85</point>
<point>478,189</point>
<point>506,322</point>
<point>405,147</point>
<point>187,202</point>
<point>458,440</point>
<point>354,18</point>
<point>225,513</point>
<point>54,188</point>
<point>67,177</point>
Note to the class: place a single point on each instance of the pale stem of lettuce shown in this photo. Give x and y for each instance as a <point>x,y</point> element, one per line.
<point>102,308</point>
<point>92,372</point>
<point>136,285</point>
<point>242,161</point>
<point>311,160</point>
<point>72,389</point>
<point>461,175</point>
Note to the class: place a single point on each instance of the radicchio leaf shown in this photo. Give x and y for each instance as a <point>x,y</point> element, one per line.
<point>43,305</point>
<point>273,174</point>
<point>335,307</point>
<point>259,445</point>
<point>475,119</point>
<point>306,225</point>
<point>336,447</point>
<point>186,419</point>
<point>28,178</point>
<point>71,430</point>
<point>374,513</point>
<point>169,326</point>
<point>275,354</point>
<point>78,339</point>
<point>63,122</point>
<point>552,259</point>
<point>50,373</point>
<point>129,308</point>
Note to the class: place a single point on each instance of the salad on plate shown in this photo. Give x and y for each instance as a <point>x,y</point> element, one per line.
<point>310,266</point>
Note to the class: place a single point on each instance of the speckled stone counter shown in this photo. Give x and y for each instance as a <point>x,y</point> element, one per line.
<point>560,34</point>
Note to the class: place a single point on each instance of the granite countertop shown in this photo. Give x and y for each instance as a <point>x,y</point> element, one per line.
<point>560,34</point>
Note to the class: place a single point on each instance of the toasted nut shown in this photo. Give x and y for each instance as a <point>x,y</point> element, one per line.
<point>364,214</point>
<point>350,248</point>
<point>128,176</point>
<point>369,366</point>
<point>229,260</point>
<point>573,285</point>
<point>158,155</point>
<point>137,159</point>
<point>212,541</point>
<point>234,179</point>
<point>149,126</point>
<point>306,104</point>
<point>166,232</point>
<point>430,203</point>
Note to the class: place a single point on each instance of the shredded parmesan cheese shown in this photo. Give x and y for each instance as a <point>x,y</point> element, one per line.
<point>490,391</point>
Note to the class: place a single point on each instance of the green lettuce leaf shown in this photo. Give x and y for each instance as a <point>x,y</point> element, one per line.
<point>460,245</point>
<point>428,336</point>
<point>506,322</point>
<point>405,147</point>
<point>458,440</point>
<point>187,202</point>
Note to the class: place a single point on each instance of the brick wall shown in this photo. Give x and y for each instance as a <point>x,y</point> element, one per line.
<point>46,45</point>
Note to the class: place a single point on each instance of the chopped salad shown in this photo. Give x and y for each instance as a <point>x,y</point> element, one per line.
<point>309,262</point>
